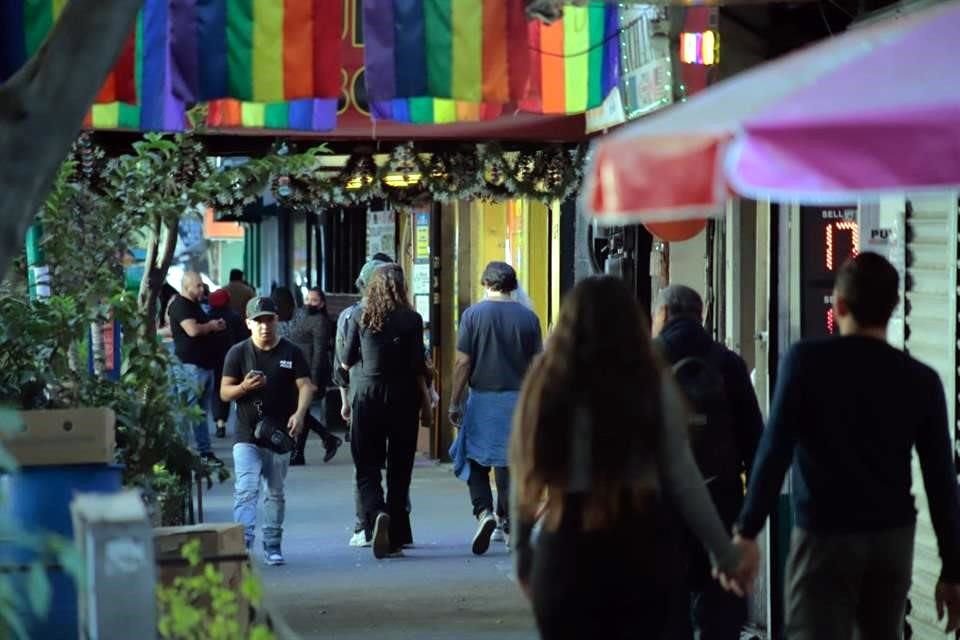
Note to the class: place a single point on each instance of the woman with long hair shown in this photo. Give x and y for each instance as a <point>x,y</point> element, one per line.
<point>600,462</point>
<point>388,393</point>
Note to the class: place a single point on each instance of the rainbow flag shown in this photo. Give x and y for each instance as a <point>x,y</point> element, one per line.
<point>484,52</point>
<point>473,51</point>
<point>24,25</point>
<point>256,50</point>
<point>159,109</point>
<point>574,62</point>
<point>296,115</point>
<point>425,110</point>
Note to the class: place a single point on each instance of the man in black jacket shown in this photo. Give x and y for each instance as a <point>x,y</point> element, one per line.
<point>724,445</point>
<point>847,413</point>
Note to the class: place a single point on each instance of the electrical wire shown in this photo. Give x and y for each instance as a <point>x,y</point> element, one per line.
<point>615,34</point>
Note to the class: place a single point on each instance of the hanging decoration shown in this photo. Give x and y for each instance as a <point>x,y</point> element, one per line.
<point>484,172</point>
<point>494,172</point>
<point>453,176</point>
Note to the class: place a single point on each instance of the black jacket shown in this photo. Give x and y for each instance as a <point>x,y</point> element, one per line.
<point>313,333</point>
<point>684,338</point>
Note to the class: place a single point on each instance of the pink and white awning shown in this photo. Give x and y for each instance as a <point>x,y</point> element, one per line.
<point>871,111</point>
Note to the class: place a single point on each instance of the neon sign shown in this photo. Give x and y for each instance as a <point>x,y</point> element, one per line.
<point>700,48</point>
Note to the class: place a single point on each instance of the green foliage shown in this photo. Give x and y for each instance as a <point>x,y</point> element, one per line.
<point>34,361</point>
<point>200,606</point>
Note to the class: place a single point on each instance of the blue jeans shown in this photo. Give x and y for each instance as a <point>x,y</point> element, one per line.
<point>255,467</point>
<point>195,387</point>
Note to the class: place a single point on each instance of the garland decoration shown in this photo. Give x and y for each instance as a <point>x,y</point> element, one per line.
<point>453,176</point>
<point>494,172</point>
<point>407,176</point>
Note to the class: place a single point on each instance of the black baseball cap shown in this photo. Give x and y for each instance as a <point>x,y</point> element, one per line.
<point>260,307</point>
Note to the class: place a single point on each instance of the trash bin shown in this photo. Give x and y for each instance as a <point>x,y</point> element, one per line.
<point>38,501</point>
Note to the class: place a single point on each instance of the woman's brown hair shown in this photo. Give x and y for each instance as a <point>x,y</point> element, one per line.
<point>386,293</point>
<point>599,365</point>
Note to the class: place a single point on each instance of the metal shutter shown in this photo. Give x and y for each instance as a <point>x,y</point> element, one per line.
<point>930,336</point>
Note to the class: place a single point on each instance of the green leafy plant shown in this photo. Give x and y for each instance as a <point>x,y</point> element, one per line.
<point>200,605</point>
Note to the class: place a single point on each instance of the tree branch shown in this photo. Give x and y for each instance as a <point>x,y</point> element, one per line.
<point>43,105</point>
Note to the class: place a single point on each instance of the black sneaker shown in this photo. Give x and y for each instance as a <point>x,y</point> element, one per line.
<point>332,445</point>
<point>297,460</point>
<point>381,536</point>
<point>481,539</point>
<point>211,459</point>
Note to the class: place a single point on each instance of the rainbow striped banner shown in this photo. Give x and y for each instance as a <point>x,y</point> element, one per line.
<point>468,50</point>
<point>297,115</point>
<point>159,109</point>
<point>256,50</point>
<point>429,50</point>
<point>24,25</point>
<point>424,110</point>
<point>574,62</point>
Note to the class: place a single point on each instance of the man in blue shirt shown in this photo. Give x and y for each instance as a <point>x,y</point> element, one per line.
<point>847,413</point>
<point>498,339</point>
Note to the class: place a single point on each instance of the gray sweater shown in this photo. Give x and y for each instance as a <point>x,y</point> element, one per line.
<point>680,482</point>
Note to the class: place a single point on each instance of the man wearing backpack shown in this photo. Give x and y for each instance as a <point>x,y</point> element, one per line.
<point>725,429</point>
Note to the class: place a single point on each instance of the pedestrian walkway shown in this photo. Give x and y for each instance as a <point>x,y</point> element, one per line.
<point>332,591</point>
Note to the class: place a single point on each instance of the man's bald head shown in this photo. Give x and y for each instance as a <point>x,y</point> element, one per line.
<point>191,286</point>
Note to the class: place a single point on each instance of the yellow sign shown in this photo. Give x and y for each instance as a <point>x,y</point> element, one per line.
<point>423,241</point>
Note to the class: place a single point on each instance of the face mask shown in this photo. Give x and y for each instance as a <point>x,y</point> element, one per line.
<point>311,309</point>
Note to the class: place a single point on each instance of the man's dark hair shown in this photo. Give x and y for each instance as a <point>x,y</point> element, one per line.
<point>382,257</point>
<point>499,276</point>
<point>681,301</point>
<point>871,287</point>
<point>236,274</point>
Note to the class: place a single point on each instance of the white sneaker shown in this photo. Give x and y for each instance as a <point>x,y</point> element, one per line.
<point>273,558</point>
<point>498,535</point>
<point>481,539</point>
<point>359,539</point>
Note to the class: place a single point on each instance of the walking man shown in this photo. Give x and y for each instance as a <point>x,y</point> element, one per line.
<point>725,433</point>
<point>240,292</point>
<point>268,377</point>
<point>498,339</point>
<point>195,347</point>
<point>848,412</point>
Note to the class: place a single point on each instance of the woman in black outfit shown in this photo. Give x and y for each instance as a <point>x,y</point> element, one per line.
<point>389,391</point>
<point>312,330</point>
<point>600,459</point>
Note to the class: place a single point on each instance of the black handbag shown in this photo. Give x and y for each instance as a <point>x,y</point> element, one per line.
<point>270,432</point>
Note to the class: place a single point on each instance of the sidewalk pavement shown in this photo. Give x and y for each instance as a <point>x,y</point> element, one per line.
<point>438,590</point>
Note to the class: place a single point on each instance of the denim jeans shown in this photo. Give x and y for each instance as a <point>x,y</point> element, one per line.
<point>195,386</point>
<point>255,467</point>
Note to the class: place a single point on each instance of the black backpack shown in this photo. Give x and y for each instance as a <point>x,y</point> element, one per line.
<point>712,436</point>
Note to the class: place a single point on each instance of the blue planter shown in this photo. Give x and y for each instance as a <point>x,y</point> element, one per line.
<point>38,500</point>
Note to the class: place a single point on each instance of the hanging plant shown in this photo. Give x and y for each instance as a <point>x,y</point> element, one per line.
<point>547,175</point>
<point>357,183</point>
<point>402,177</point>
<point>453,176</point>
<point>493,172</point>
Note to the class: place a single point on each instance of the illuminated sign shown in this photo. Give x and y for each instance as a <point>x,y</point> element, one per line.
<point>700,48</point>
<point>828,236</point>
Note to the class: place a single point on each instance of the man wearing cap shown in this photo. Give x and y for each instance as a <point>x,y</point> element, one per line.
<point>341,377</point>
<point>269,379</point>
